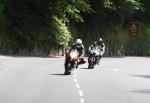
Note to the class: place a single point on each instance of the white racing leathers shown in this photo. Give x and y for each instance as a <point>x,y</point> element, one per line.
<point>102,49</point>
<point>95,51</point>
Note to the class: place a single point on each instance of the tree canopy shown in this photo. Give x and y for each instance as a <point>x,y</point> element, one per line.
<point>36,26</point>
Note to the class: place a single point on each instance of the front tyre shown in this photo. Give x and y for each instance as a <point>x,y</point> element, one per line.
<point>91,63</point>
<point>89,66</point>
<point>66,72</point>
<point>67,69</point>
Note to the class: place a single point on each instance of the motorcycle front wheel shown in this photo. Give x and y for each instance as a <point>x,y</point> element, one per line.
<point>91,64</point>
<point>67,69</point>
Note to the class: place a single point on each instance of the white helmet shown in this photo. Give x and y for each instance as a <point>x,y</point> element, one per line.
<point>78,42</point>
<point>100,39</point>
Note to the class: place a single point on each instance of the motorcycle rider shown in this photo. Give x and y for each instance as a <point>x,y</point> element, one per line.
<point>91,48</point>
<point>94,45</point>
<point>80,47</point>
<point>101,46</point>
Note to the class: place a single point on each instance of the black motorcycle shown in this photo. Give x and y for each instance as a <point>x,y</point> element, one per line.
<point>93,58</point>
<point>72,61</point>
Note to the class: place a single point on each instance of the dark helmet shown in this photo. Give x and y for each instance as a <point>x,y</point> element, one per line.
<point>95,43</point>
<point>100,41</point>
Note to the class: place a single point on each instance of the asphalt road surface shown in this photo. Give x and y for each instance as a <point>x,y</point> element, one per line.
<point>41,80</point>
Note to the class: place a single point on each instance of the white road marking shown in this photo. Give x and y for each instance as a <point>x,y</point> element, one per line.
<point>80,93</point>
<point>78,86</point>
<point>75,80</point>
<point>116,70</point>
<point>82,100</point>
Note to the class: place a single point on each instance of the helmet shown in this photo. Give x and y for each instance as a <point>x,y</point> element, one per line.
<point>78,42</point>
<point>95,43</point>
<point>100,39</point>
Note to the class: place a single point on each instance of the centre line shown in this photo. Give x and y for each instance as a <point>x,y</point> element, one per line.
<point>75,80</point>
<point>81,100</point>
<point>78,86</point>
<point>80,93</point>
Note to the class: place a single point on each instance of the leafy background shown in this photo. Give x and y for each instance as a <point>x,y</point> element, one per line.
<point>47,27</point>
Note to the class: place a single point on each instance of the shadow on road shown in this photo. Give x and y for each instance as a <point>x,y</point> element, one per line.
<point>142,76</point>
<point>83,68</point>
<point>58,74</point>
<point>61,74</point>
<point>144,91</point>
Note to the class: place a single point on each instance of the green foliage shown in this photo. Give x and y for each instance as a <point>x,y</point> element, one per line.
<point>60,31</point>
<point>74,13</point>
<point>37,26</point>
<point>109,4</point>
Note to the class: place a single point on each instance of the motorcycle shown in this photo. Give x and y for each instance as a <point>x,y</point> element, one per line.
<point>72,61</point>
<point>93,58</point>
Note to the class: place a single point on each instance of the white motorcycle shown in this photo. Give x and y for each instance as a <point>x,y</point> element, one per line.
<point>93,58</point>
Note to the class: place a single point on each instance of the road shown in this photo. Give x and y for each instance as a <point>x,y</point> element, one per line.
<point>41,80</point>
